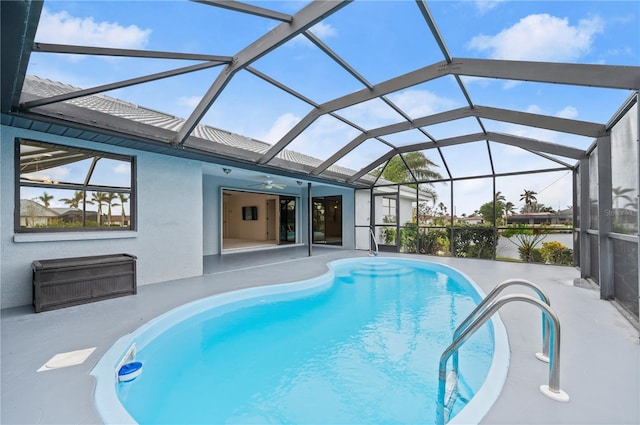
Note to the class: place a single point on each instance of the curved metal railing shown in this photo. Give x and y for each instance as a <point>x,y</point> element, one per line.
<point>551,390</point>
<point>544,355</point>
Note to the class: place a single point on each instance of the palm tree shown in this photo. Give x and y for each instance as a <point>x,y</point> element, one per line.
<point>403,168</point>
<point>99,198</point>
<point>499,206</point>
<point>399,168</point>
<point>509,209</point>
<point>109,200</point>
<point>619,193</point>
<point>443,208</point>
<point>529,196</point>
<point>75,201</point>
<point>45,198</point>
<point>123,200</point>
<point>421,166</point>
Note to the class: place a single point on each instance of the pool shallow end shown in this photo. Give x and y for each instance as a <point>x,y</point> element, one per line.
<point>111,409</point>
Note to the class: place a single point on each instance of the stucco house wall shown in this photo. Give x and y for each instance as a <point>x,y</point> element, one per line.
<point>167,243</point>
<point>179,217</point>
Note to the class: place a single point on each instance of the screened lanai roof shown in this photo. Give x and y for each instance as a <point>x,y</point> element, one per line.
<point>144,121</point>
<point>329,89</point>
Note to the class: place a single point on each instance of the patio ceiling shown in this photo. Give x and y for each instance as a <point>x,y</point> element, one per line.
<point>373,139</point>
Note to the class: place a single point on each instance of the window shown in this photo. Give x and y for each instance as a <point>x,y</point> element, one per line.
<point>389,210</point>
<point>62,188</point>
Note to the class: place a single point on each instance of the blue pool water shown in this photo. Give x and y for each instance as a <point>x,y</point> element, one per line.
<point>359,345</point>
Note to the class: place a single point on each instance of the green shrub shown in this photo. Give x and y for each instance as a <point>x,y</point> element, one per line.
<point>408,238</point>
<point>527,246</point>
<point>434,242</point>
<point>556,253</point>
<point>389,235</point>
<point>516,229</point>
<point>477,242</point>
<point>564,257</point>
<point>530,255</point>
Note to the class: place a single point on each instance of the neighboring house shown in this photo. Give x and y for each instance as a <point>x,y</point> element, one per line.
<point>472,219</point>
<point>438,220</point>
<point>74,215</point>
<point>564,217</point>
<point>116,220</point>
<point>388,200</point>
<point>33,214</point>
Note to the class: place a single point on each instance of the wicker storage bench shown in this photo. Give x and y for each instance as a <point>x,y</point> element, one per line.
<point>66,282</point>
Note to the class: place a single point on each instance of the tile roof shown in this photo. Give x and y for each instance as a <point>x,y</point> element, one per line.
<point>29,208</point>
<point>41,87</point>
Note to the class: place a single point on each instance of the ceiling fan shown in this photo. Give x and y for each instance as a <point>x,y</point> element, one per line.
<point>269,184</point>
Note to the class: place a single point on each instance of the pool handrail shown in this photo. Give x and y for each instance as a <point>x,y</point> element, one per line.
<point>373,252</point>
<point>551,390</point>
<point>544,355</point>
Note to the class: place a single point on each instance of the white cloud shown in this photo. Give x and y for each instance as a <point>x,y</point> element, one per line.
<point>419,103</point>
<point>484,6</point>
<point>323,30</point>
<point>541,37</point>
<point>62,28</point>
<point>124,168</point>
<point>510,151</point>
<point>568,112</point>
<point>370,114</point>
<point>324,137</point>
<point>376,113</point>
<point>280,127</point>
<point>189,101</point>
<point>509,84</point>
<point>531,132</point>
<point>534,109</point>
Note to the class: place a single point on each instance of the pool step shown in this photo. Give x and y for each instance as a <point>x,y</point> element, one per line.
<point>373,270</point>
<point>457,391</point>
<point>381,270</point>
<point>451,394</point>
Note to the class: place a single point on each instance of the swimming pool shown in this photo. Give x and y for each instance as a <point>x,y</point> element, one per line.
<point>360,344</point>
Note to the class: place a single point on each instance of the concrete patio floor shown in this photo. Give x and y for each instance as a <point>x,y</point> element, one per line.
<point>600,350</point>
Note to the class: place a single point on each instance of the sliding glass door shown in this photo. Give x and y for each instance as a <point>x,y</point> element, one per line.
<point>327,220</point>
<point>287,219</point>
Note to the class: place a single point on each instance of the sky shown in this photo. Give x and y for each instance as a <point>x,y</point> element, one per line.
<point>380,40</point>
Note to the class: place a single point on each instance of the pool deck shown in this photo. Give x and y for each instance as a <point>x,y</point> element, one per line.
<point>600,349</point>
